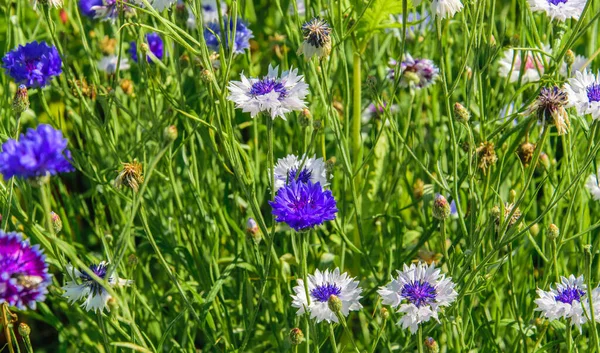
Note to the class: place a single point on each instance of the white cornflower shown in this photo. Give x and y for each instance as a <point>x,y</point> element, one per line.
<point>317,39</point>
<point>271,94</point>
<point>558,9</point>
<point>510,66</point>
<point>446,8</point>
<point>593,187</point>
<point>424,291</point>
<point>50,3</point>
<point>568,301</point>
<point>286,169</point>
<point>96,297</point>
<point>210,12</point>
<point>160,5</point>
<point>108,64</point>
<point>323,285</point>
<point>584,93</point>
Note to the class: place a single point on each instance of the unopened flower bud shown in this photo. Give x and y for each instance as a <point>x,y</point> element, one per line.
<point>296,336</point>
<point>418,189</point>
<point>317,124</point>
<point>441,207</point>
<point>525,152</point>
<point>569,57</point>
<point>24,329</point>
<point>170,133</point>
<point>127,86</point>
<point>553,232</point>
<point>431,345</point>
<point>534,230</point>
<point>461,113</point>
<point>385,314</point>
<point>305,118</point>
<point>206,75</point>
<point>512,195</point>
<point>21,100</point>
<point>56,222</point>
<point>132,260</point>
<point>253,231</point>
<point>334,303</point>
<point>144,49</point>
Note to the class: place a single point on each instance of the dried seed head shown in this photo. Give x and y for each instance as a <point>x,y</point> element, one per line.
<point>130,176</point>
<point>508,207</point>
<point>108,45</point>
<point>553,231</point>
<point>127,86</point>
<point>486,155</point>
<point>525,152</point>
<point>418,189</point>
<point>550,108</point>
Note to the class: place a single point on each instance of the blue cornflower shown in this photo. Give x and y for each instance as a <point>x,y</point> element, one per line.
<point>87,7</point>
<point>212,35</point>
<point>108,10</point>
<point>24,277</point>
<point>33,64</point>
<point>303,205</point>
<point>155,45</point>
<point>37,153</point>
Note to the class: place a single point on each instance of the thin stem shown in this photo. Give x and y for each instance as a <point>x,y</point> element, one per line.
<point>6,324</point>
<point>342,320</point>
<point>379,333</point>
<point>588,277</point>
<point>420,340</point>
<point>569,338</point>
<point>332,337</point>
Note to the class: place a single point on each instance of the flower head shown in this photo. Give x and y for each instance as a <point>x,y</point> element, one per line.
<point>550,107</point>
<point>593,187</point>
<point>86,7</point>
<point>584,93</point>
<point>321,286</point>
<point>155,45</point>
<point>271,94</point>
<point>418,73</point>
<point>303,205</point>
<point>419,292</point>
<point>24,277</point>
<point>108,10</point>
<point>83,286</point>
<point>512,61</point>
<point>50,3</point>
<point>243,34</point>
<point>317,39</point>
<point>567,301</point>
<point>38,153</point>
<point>286,169</point>
<point>560,10</point>
<point>33,64</point>
<point>131,176</point>
<point>109,64</point>
<point>446,8</point>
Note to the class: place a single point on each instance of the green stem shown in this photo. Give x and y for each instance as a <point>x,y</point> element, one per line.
<point>342,320</point>
<point>355,139</point>
<point>6,325</point>
<point>332,337</point>
<point>420,339</point>
<point>379,333</point>
<point>569,337</point>
<point>588,278</point>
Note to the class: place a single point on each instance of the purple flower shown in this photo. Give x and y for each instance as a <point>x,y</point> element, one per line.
<point>38,153</point>
<point>212,35</point>
<point>33,64</point>
<point>86,7</point>
<point>155,44</point>
<point>24,274</point>
<point>418,73</point>
<point>303,205</point>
